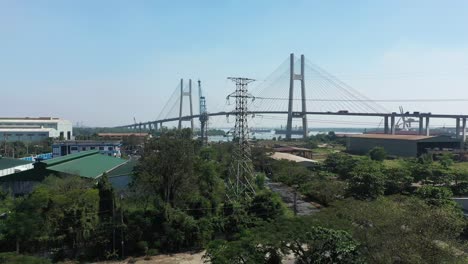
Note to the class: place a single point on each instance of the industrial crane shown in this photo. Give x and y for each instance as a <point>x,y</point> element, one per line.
<point>203,115</point>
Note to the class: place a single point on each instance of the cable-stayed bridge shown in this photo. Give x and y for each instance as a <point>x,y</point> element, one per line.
<point>295,91</point>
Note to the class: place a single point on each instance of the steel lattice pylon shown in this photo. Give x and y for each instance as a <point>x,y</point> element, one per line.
<point>241,170</point>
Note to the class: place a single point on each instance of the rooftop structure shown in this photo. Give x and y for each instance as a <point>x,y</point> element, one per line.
<point>399,145</point>
<point>88,164</point>
<point>63,148</point>
<point>291,157</point>
<point>9,166</point>
<point>32,129</point>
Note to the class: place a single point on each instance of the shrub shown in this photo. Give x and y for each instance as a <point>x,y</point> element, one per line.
<point>377,154</point>
<point>324,191</point>
<point>14,258</point>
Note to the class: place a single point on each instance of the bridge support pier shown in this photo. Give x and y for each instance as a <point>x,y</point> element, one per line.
<point>386,125</point>
<point>463,133</point>
<point>428,132</point>
<point>457,127</point>
<point>392,124</point>
<point>420,125</point>
<point>303,115</point>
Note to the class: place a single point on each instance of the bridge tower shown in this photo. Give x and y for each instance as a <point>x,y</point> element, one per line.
<point>182,94</point>
<point>291,114</point>
<point>241,173</point>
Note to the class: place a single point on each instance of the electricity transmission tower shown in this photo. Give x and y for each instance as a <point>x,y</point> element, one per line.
<point>241,169</point>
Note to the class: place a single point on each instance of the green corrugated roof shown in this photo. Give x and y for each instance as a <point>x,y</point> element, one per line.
<point>70,157</point>
<point>126,169</point>
<point>6,163</point>
<point>89,166</point>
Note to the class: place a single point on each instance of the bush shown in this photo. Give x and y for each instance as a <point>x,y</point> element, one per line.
<point>324,191</point>
<point>142,247</point>
<point>341,164</point>
<point>460,189</point>
<point>13,258</point>
<point>377,154</point>
<point>153,252</point>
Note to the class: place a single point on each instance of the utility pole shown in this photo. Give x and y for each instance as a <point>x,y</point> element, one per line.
<point>121,226</point>
<point>241,169</point>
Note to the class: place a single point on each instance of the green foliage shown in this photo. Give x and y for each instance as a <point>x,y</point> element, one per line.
<point>269,243</point>
<point>167,167</point>
<point>446,160</point>
<point>377,154</point>
<point>399,229</point>
<point>324,191</point>
<point>436,196</point>
<point>341,164</point>
<point>367,180</point>
<point>266,205</point>
<point>398,180</point>
<point>425,159</point>
<point>13,258</point>
<point>290,173</point>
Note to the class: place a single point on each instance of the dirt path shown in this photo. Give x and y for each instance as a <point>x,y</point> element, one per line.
<point>180,258</point>
<point>287,195</point>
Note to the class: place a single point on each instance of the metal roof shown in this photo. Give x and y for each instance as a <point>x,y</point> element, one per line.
<point>88,164</point>
<point>7,163</point>
<point>290,157</point>
<point>388,136</point>
<point>70,157</point>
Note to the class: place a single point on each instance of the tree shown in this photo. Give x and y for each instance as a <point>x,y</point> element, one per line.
<point>399,229</point>
<point>167,166</point>
<point>377,154</point>
<point>340,163</point>
<point>270,242</point>
<point>25,223</point>
<point>436,196</point>
<point>367,180</point>
<point>266,205</point>
<point>398,180</point>
<point>324,191</point>
<point>446,160</point>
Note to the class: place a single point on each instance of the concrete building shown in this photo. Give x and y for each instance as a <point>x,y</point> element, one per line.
<point>63,148</point>
<point>399,145</point>
<point>31,129</point>
<point>9,166</point>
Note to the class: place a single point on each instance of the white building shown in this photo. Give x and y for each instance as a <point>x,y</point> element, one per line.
<point>63,148</point>
<point>35,129</point>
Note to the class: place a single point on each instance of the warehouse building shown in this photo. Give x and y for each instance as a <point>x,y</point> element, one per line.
<point>399,145</point>
<point>30,129</point>
<point>63,148</point>
<point>88,164</point>
<point>9,166</point>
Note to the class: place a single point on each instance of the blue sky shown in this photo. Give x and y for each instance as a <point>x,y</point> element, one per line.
<point>104,62</point>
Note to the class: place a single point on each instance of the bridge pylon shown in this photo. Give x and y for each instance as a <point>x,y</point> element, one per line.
<point>182,94</point>
<point>292,114</point>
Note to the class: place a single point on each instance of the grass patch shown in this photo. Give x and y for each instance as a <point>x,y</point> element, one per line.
<point>462,166</point>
